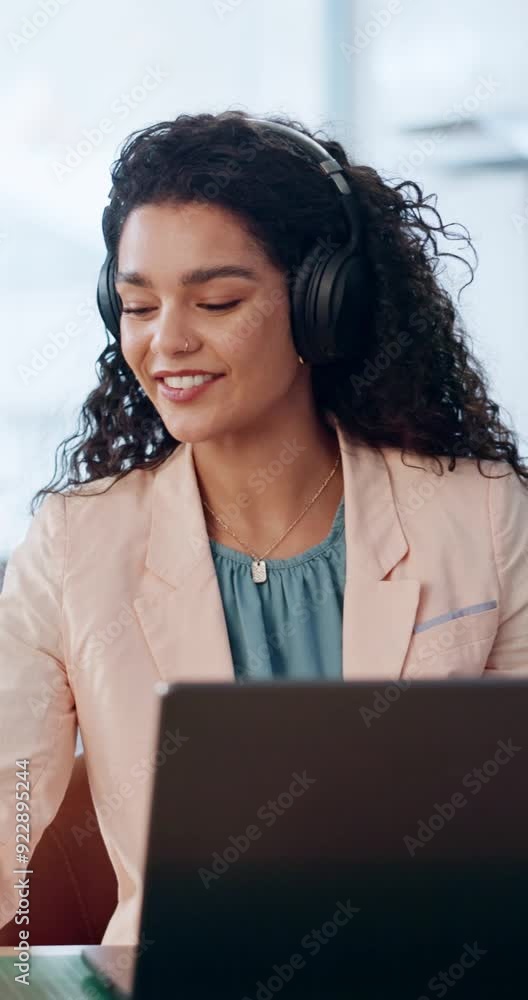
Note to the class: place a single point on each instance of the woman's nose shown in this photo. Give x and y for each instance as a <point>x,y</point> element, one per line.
<point>168,332</point>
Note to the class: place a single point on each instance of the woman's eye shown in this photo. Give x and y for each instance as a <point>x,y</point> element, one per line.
<point>213,306</point>
<point>219,305</point>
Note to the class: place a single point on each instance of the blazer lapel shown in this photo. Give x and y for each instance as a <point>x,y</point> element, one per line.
<point>378,614</point>
<point>180,607</point>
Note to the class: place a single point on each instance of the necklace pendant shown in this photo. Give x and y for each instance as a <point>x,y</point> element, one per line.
<point>258,571</point>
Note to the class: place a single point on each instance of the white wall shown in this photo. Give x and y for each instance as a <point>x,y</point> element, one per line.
<point>79,67</point>
<point>418,62</point>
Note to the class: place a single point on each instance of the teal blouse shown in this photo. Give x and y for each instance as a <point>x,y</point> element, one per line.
<point>289,627</point>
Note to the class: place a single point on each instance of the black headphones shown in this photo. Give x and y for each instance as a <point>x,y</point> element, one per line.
<point>330,293</point>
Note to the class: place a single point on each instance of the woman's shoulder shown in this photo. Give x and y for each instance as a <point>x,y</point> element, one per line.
<point>121,486</point>
<point>107,493</point>
<point>112,506</point>
<point>472,489</point>
<point>405,465</point>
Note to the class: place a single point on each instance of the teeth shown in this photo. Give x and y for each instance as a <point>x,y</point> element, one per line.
<point>186,381</point>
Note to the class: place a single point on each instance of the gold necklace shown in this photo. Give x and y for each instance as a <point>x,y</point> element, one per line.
<point>258,566</point>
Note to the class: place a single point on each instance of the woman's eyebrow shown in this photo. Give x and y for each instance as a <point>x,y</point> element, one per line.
<point>197,276</point>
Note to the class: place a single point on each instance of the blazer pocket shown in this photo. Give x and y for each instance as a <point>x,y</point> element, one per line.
<point>457,647</point>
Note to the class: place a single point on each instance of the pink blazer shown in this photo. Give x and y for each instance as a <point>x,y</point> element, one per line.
<point>108,594</point>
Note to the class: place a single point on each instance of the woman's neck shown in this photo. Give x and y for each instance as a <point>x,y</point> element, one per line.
<point>259,487</point>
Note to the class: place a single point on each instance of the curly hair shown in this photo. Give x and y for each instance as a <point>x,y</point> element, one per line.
<point>415,383</point>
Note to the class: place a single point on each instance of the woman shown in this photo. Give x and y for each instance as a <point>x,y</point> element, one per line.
<point>254,442</point>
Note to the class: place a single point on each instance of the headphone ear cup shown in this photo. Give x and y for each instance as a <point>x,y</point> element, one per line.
<point>302,295</point>
<point>108,301</point>
<point>340,305</point>
<point>335,308</point>
<point>329,305</point>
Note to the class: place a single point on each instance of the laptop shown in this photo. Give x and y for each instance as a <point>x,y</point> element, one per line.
<point>334,839</point>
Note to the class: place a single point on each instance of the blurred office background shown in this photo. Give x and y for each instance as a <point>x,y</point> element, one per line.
<point>436,92</point>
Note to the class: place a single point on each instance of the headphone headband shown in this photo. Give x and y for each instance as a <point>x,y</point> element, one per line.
<point>327,163</point>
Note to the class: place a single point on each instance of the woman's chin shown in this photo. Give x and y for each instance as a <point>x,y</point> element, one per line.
<point>188,430</point>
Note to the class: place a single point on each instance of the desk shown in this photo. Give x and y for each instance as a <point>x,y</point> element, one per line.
<point>56,973</point>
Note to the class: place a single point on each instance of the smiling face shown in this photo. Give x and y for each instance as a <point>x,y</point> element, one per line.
<point>197,274</point>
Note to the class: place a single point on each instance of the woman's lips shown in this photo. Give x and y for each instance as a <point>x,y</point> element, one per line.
<point>185,395</point>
